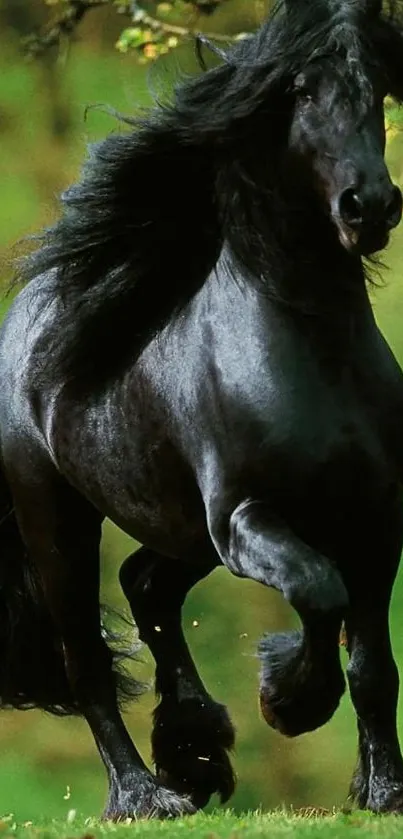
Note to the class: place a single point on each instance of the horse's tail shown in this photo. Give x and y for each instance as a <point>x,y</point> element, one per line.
<point>32,672</point>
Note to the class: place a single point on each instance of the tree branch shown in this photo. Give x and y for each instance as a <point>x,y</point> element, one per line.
<point>64,26</point>
<point>157,25</point>
<point>74,11</point>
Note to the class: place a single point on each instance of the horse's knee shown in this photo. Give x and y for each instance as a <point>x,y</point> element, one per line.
<point>150,582</point>
<point>319,591</point>
<point>140,579</point>
<point>130,572</point>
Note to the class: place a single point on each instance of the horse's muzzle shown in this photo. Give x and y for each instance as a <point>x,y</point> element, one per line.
<point>364,225</point>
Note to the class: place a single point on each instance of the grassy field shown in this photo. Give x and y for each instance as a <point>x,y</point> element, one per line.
<point>306,824</point>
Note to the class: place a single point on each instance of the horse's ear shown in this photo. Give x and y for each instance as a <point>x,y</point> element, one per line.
<point>202,41</point>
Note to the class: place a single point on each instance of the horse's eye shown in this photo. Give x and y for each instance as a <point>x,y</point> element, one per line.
<point>301,87</point>
<point>304,94</point>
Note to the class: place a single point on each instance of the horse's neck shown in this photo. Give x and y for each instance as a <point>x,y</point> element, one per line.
<point>314,276</point>
<point>284,237</point>
<point>242,306</point>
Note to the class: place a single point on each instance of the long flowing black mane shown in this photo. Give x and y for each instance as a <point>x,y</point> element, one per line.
<point>146,223</point>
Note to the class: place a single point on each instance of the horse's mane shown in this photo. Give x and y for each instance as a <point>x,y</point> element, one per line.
<point>144,226</point>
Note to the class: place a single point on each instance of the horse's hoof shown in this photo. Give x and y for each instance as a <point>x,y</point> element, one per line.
<point>296,696</point>
<point>296,715</point>
<point>387,798</point>
<point>201,777</point>
<point>149,800</point>
<point>190,742</point>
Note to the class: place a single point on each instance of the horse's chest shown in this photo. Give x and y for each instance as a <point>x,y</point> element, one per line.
<point>339,484</point>
<point>331,446</point>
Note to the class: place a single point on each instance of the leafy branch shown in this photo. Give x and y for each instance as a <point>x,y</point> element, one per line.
<point>155,27</point>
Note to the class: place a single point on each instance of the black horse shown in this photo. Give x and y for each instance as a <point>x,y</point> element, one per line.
<point>195,356</point>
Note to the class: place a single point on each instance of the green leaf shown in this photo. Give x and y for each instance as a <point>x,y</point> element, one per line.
<point>132,38</point>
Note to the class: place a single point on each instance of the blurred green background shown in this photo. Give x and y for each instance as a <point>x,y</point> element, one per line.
<point>50,766</point>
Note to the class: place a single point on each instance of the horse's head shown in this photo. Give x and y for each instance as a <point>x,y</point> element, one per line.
<point>337,131</point>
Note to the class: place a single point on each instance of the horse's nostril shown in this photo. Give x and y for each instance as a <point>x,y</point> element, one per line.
<point>350,208</point>
<point>394,208</point>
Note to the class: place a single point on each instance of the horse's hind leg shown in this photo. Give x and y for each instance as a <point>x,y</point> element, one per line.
<point>301,678</point>
<point>192,733</point>
<point>62,533</point>
<point>374,683</point>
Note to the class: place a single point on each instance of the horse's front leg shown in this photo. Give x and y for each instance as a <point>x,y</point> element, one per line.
<point>192,732</point>
<point>374,683</point>
<point>301,678</point>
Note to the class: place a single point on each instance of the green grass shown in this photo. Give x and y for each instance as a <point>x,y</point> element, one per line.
<point>219,825</point>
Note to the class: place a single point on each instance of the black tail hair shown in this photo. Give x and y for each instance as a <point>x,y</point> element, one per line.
<point>32,673</point>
